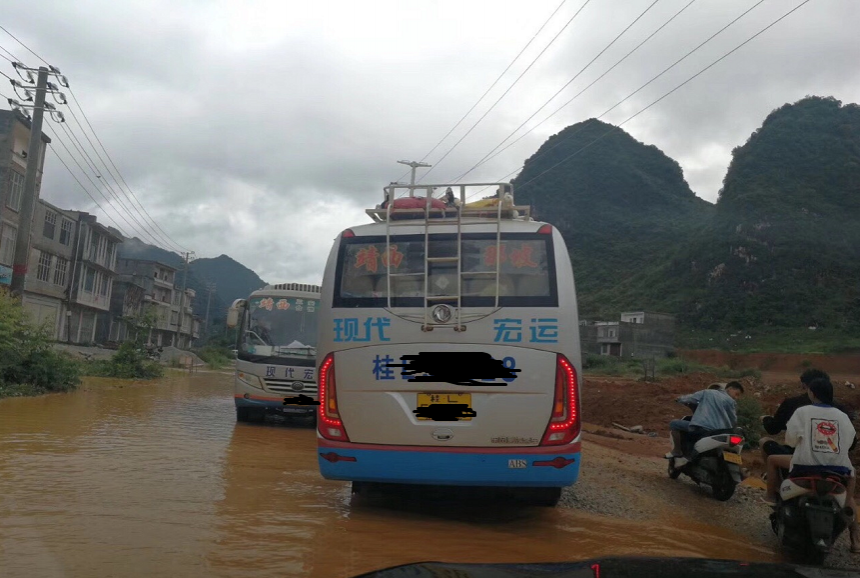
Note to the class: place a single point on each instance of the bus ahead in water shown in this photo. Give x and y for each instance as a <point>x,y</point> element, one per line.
<point>276,351</point>
<point>448,349</point>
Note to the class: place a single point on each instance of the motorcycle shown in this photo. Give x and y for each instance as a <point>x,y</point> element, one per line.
<point>810,514</point>
<point>713,459</point>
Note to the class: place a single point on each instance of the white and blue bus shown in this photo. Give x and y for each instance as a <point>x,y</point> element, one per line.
<point>276,351</point>
<point>448,348</point>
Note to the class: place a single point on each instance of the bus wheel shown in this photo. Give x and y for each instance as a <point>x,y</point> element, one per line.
<point>250,414</point>
<point>362,489</point>
<point>541,497</point>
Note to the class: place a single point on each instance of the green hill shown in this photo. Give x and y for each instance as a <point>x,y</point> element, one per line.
<point>779,252</point>
<point>622,207</point>
<point>784,248</point>
<point>232,280</point>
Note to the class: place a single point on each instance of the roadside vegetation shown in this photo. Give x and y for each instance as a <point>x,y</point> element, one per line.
<point>819,340</point>
<point>129,362</point>
<point>749,418</point>
<point>28,364</point>
<point>215,356</point>
<point>666,367</point>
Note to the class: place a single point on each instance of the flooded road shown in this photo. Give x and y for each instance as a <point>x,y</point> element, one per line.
<point>159,480</point>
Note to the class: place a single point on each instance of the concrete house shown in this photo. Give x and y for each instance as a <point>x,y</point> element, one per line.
<point>93,274</point>
<point>46,293</point>
<point>636,334</point>
<point>14,143</point>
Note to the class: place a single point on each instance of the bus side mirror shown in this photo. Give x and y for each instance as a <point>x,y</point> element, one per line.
<point>232,317</point>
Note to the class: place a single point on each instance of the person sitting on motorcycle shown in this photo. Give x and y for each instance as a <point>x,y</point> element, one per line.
<point>821,436</point>
<point>776,423</point>
<point>716,409</point>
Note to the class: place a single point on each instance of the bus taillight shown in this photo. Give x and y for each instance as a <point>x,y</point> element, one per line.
<point>330,424</point>
<point>564,423</point>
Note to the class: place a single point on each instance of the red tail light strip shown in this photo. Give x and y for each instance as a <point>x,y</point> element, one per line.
<point>564,425</point>
<point>329,424</point>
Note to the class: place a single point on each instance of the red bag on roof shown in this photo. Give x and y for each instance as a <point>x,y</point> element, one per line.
<point>416,203</point>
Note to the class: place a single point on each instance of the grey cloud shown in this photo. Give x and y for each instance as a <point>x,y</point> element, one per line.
<point>266,150</point>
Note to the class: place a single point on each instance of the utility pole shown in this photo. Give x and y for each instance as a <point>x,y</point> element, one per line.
<point>28,202</point>
<point>211,287</point>
<point>414,165</point>
<point>34,157</point>
<point>182,301</point>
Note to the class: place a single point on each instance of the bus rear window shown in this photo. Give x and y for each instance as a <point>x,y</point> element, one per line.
<point>526,276</point>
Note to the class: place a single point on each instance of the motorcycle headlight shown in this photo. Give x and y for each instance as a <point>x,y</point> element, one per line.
<point>248,379</point>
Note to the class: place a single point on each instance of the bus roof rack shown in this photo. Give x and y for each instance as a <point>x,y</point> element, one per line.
<point>450,206</point>
<point>294,287</point>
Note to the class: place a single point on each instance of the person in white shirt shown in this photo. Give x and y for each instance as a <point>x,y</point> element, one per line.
<point>821,436</point>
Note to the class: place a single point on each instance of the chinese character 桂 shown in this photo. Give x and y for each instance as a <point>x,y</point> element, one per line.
<point>544,330</point>
<point>380,368</point>
<point>267,304</point>
<point>367,258</point>
<point>508,330</point>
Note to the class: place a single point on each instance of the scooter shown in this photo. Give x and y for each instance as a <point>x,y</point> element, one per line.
<point>713,459</point>
<point>810,514</point>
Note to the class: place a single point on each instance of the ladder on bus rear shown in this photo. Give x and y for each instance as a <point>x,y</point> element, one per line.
<point>438,217</point>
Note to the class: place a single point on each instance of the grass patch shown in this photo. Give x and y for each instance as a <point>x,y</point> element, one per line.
<point>215,356</point>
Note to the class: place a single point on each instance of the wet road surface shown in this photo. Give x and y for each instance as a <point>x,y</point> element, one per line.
<point>158,479</point>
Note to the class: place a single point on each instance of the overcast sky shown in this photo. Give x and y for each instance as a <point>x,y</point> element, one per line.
<point>261,129</point>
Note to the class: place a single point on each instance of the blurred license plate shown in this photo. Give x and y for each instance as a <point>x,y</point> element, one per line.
<point>733,458</point>
<point>428,399</point>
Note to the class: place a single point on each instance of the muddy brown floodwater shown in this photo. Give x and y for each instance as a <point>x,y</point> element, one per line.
<point>158,479</point>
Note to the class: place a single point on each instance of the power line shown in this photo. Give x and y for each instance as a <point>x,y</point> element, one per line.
<point>163,235</point>
<point>104,196</point>
<point>494,153</point>
<point>468,132</point>
<point>134,212</point>
<point>80,184</point>
<point>495,82</point>
<point>118,173</point>
<point>714,63</point>
<point>16,59</point>
<point>616,105</point>
<point>24,45</point>
<point>79,146</point>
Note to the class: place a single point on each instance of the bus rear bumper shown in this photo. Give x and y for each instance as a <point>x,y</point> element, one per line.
<point>275,405</point>
<point>514,467</point>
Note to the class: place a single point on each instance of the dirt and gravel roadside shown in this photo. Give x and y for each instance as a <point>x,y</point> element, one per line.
<point>624,475</point>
